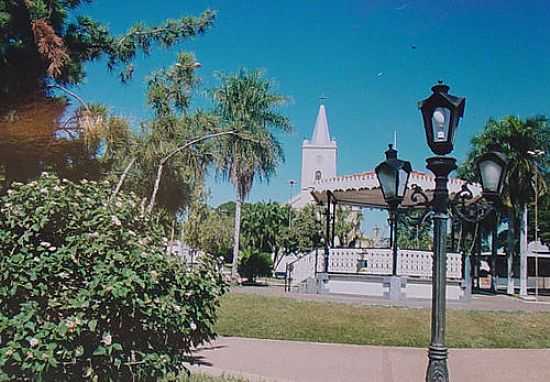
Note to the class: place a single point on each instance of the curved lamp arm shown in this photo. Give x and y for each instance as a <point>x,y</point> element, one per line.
<point>467,209</point>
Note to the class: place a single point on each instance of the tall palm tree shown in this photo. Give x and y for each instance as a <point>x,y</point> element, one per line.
<point>517,138</point>
<point>246,103</point>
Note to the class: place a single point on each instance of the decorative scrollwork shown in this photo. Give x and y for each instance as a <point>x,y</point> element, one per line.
<point>466,208</point>
<point>420,211</point>
<point>419,197</point>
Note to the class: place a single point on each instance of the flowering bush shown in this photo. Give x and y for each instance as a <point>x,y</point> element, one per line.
<point>87,291</point>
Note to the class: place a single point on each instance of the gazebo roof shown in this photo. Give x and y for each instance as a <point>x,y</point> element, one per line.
<point>363,189</point>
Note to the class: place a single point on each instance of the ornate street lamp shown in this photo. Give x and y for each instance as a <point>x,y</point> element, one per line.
<point>441,113</point>
<point>393,176</point>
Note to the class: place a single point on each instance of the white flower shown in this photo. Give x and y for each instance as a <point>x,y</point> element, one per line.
<point>44,173</point>
<point>44,190</point>
<point>33,342</point>
<point>51,249</point>
<point>57,188</point>
<point>10,192</point>
<point>115,220</point>
<point>193,326</point>
<point>132,233</point>
<point>107,339</point>
<point>93,234</point>
<point>84,181</point>
<point>45,244</point>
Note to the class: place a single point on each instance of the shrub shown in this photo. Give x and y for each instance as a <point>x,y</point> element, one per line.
<point>88,292</point>
<point>253,263</point>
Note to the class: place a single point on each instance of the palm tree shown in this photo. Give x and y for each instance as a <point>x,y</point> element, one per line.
<point>518,139</point>
<point>246,103</point>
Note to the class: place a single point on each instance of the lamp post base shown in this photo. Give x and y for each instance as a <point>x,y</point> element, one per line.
<point>437,365</point>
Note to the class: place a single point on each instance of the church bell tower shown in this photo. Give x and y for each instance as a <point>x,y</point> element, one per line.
<point>319,153</point>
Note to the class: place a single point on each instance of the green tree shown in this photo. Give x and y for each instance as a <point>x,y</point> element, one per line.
<point>208,229</point>
<point>170,155</point>
<point>412,236</point>
<point>516,138</point>
<point>306,230</point>
<point>44,48</point>
<point>348,225</point>
<point>262,226</point>
<point>246,103</point>
<point>253,263</point>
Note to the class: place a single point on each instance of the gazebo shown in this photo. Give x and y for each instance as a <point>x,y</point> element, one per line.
<point>367,271</point>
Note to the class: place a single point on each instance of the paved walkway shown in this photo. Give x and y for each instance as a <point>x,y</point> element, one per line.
<point>499,302</point>
<point>285,361</point>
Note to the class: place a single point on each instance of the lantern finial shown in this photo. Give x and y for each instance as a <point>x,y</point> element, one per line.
<point>391,153</point>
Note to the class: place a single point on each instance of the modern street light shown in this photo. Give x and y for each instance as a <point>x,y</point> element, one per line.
<point>441,113</point>
<point>291,184</point>
<point>393,177</point>
<point>536,154</point>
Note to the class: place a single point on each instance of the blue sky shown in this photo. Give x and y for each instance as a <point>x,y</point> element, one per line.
<point>360,55</point>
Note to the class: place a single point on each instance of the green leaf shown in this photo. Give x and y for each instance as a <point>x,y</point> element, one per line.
<point>92,324</point>
<point>100,350</point>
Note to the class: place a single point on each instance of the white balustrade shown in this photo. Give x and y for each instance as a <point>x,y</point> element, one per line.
<point>374,261</point>
<point>378,261</point>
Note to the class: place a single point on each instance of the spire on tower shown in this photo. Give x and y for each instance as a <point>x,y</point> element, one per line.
<point>321,135</point>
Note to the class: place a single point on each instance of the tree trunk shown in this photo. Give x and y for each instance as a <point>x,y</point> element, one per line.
<point>236,238</point>
<point>156,188</point>
<point>510,252</point>
<point>523,252</point>
<point>122,178</point>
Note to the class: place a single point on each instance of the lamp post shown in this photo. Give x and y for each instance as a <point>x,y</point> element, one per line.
<point>441,114</point>
<point>291,184</point>
<point>536,154</point>
<point>393,177</point>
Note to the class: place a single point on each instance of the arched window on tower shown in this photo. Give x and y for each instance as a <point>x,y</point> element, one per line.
<point>317,175</point>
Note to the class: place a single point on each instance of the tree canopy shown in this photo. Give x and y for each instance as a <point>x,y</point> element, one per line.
<point>44,46</point>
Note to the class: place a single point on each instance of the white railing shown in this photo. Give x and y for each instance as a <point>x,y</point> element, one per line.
<point>379,261</point>
<point>304,267</point>
<point>373,261</point>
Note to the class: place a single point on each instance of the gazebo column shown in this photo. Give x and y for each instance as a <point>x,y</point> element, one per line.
<point>494,248</point>
<point>327,233</point>
<point>333,220</point>
<point>466,261</point>
<point>477,258</point>
<point>390,224</point>
<point>453,247</point>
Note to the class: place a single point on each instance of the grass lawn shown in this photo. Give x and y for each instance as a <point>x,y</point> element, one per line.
<point>283,318</point>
